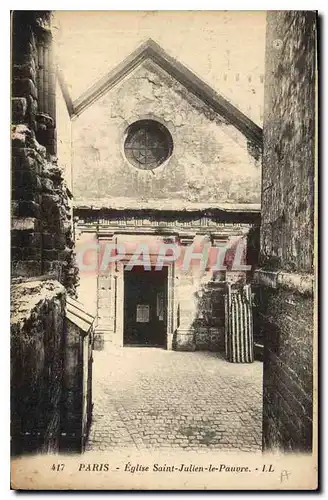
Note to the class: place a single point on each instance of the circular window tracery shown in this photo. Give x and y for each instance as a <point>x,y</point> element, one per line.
<point>148,144</point>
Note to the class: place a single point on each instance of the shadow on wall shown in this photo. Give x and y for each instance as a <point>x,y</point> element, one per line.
<point>209,323</point>
<point>223,312</point>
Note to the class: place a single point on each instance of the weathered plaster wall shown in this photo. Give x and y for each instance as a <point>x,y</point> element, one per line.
<point>285,304</point>
<point>86,246</point>
<point>200,314</point>
<point>211,160</point>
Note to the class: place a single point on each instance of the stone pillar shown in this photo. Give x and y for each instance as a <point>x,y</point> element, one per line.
<point>105,290</point>
<point>46,83</point>
<point>185,334</point>
<point>184,338</point>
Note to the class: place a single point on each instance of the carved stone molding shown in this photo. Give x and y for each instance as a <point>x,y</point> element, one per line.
<point>162,226</point>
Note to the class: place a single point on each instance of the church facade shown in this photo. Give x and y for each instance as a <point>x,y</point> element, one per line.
<point>164,171</point>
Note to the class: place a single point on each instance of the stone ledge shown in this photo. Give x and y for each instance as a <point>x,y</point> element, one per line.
<point>120,203</point>
<point>300,283</point>
<point>28,296</point>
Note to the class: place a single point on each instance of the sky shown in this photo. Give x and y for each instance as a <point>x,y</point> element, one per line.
<point>225,49</point>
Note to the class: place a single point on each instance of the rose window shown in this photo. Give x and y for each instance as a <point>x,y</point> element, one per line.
<point>148,144</point>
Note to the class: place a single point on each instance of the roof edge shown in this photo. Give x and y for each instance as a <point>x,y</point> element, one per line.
<point>65,91</point>
<point>151,50</point>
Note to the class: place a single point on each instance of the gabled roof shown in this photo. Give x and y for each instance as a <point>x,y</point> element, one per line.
<point>151,50</point>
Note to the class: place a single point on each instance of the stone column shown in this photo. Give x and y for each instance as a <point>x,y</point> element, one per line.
<point>46,84</point>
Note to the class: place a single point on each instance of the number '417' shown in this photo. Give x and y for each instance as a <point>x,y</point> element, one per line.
<point>58,467</point>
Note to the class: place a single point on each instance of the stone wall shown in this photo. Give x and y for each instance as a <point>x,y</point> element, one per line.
<point>288,378</point>
<point>42,239</point>
<point>288,142</point>
<point>211,162</point>
<point>41,236</point>
<point>285,293</point>
<point>33,75</point>
<point>201,314</point>
<point>209,325</point>
<point>37,316</point>
<point>24,68</point>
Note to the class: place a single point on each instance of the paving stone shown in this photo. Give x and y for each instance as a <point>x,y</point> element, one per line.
<point>151,398</point>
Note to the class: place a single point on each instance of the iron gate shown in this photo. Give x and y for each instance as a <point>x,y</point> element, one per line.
<point>239,345</point>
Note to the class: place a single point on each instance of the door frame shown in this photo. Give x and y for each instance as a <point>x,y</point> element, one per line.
<point>118,298</point>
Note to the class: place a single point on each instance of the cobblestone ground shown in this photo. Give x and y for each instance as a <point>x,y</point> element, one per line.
<point>147,398</point>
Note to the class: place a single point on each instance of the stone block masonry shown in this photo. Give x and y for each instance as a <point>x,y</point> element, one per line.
<point>287,320</point>
<point>42,239</point>
<point>289,142</point>
<point>285,315</point>
<point>41,243</point>
<point>33,75</point>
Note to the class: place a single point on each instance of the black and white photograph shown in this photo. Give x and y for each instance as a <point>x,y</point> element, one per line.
<point>164,239</point>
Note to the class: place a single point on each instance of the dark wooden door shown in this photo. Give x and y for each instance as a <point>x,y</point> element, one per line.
<point>145,308</point>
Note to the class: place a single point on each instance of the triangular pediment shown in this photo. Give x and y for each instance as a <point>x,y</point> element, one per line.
<point>150,50</point>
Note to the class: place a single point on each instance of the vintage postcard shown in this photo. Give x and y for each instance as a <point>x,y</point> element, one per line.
<point>163,250</point>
